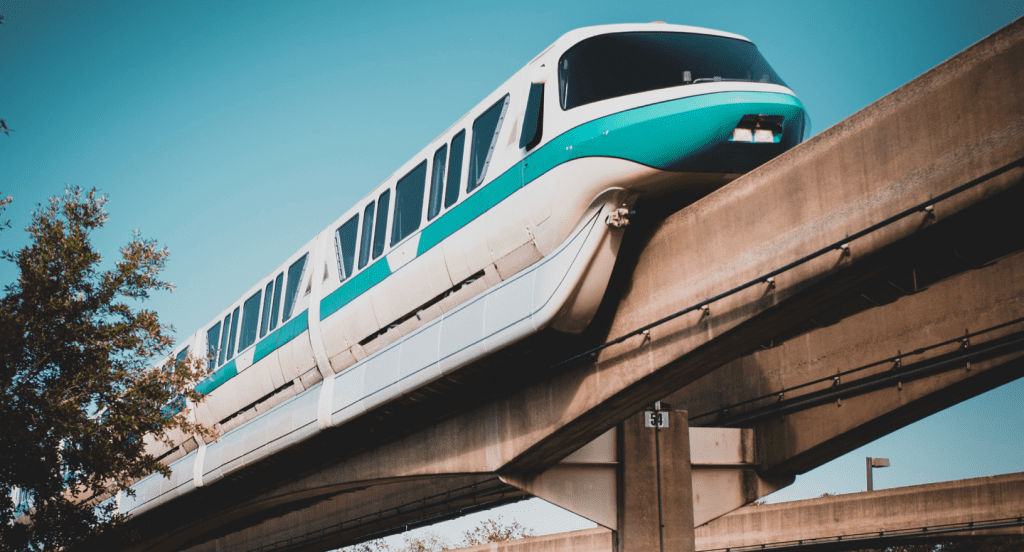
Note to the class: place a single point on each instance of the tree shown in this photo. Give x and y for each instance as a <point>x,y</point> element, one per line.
<point>494,530</point>
<point>490,530</point>
<point>78,391</point>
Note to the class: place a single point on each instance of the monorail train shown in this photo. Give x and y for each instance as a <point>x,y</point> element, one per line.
<point>507,223</point>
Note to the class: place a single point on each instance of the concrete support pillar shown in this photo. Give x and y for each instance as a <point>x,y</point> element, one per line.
<point>655,498</point>
<point>652,484</point>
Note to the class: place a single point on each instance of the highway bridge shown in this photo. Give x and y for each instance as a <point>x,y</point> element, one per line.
<point>933,513</point>
<point>867,278</point>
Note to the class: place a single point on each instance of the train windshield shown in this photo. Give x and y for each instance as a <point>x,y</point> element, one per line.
<point>614,65</point>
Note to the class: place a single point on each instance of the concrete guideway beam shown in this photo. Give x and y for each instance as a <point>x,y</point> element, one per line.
<point>725,468</point>
<point>961,123</point>
<point>967,507</point>
<point>824,393</point>
<point>363,514</point>
<point>723,463</point>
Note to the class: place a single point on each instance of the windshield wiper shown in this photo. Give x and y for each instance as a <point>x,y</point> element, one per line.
<point>719,79</point>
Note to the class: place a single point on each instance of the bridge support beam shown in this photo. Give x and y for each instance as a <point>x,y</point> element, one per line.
<point>726,472</point>
<point>653,479</point>
<point>635,480</point>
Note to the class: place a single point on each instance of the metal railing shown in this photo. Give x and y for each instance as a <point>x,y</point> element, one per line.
<point>866,538</point>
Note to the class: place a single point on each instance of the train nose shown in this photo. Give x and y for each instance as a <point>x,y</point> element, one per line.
<point>736,139</point>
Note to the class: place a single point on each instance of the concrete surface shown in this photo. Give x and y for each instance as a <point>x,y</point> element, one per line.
<point>924,328</point>
<point>865,520</point>
<point>873,514</point>
<point>656,499</point>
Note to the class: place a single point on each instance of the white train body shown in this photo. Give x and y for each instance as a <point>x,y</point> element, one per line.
<point>518,241</point>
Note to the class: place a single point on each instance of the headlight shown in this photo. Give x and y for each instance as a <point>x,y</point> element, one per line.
<point>742,135</point>
<point>761,129</point>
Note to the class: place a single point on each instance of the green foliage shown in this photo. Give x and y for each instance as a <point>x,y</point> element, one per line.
<point>78,392</point>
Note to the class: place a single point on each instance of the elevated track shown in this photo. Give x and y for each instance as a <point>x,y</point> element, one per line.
<point>861,281</point>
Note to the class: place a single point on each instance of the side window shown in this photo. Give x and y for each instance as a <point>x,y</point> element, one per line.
<point>364,243</point>
<point>265,319</point>
<point>294,277</point>
<point>250,319</point>
<point>278,286</point>
<point>451,192</point>
<point>224,340</point>
<point>437,182</point>
<point>409,203</point>
<point>533,120</point>
<point>383,203</point>
<point>182,355</point>
<point>345,243</point>
<point>234,332</point>
<point>213,344</point>
<point>485,135</point>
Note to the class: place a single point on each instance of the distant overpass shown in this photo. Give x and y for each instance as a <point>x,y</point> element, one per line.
<point>986,506</point>
<point>867,278</point>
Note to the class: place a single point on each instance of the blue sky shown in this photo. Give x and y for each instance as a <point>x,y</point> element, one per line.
<point>234,131</point>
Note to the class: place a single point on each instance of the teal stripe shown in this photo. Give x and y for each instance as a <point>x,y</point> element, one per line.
<point>216,379</point>
<point>472,207</point>
<point>293,329</point>
<point>265,347</point>
<point>282,335</point>
<point>355,287</point>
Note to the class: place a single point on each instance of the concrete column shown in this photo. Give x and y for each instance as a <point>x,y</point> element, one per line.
<point>655,498</point>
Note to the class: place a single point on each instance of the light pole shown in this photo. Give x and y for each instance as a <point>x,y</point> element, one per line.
<point>875,463</point>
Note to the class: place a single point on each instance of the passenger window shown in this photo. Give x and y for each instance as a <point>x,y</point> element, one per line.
<point>294,277</point>
<point>182,355</point>
<point>364,243</point>
<point>451,192</point>
<point>485,135</point>
<point>213,344</point>
<point>265,319</point>
<point>383,203</point>
<point>278,286</point>
<point>224,340</point>
<point>345,243</point>
<point>533,120</point>
<point>234,332</point>
<point>437,182</point>
<point>409,203</point>
<point>250,319</point>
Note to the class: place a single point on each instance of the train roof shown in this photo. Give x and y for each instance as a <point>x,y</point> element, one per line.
<point>583,33</point>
